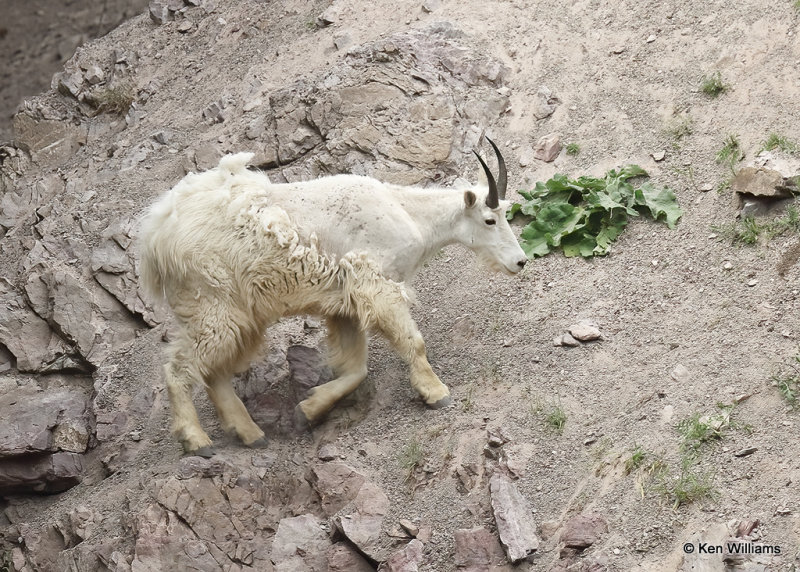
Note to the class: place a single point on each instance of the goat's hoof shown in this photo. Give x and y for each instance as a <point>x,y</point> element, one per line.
<point>259,443</point>
<point>301,422</point>
<point>442,403</point>
<point>206,452</point>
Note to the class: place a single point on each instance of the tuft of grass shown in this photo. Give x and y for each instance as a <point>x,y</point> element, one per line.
<point>573,149</point>
<point>692,484</point>
<point>552,414</point>
<point>713,86</point>
<point>680,127</point>
<point>636,459</point>
<point>731,152</point>
<point>748,230</point>
<point>789,383</point>
<point>556,418</point>
<point>698,429</point>
<point>411,456</point>
<point>777,141</point>
<point>467,403</point>
<point>117,99</point>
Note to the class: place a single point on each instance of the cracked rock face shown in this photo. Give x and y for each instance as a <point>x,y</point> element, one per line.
<point>117,129</point>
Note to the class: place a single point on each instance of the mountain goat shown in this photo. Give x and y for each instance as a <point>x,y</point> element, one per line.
<point>232,253</point>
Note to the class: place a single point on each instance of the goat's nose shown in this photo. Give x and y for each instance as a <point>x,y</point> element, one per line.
<point>522,263</point>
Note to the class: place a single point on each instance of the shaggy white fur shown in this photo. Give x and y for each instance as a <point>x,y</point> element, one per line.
<point>232,253</point>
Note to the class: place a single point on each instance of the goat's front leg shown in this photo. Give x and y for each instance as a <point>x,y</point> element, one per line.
<point>347,356</point>
<point>392,317</point>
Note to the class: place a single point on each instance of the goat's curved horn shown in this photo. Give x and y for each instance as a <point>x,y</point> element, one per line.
<point>502,179</point>
<point>491,198</point>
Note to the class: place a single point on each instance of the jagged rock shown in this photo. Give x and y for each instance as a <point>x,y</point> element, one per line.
<point>49,142</point>
<point>408,559</point>
<point>477,550</point>
<point>29,338</point>
<point>41,473</point>
<point>56,419</point>
<point>159,11</point>
<point>300,545</point>
<point>161,536</point>
<point>514,518</point>
<point>545,103</point>
<point>342,557</point>
<point>362,526</point>
<point>548,148</point>
<point>336,484</point>
<point>583,530</point>
<point>761,190</point>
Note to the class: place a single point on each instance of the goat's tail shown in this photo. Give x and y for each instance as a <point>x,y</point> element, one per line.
<point>235,164</point>
<point>151,244</point>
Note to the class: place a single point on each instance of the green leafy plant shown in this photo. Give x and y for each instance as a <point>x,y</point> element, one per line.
<point>584,216</point>
<point>713,86</point>
<point>573,149</point>
<point>777,141</point>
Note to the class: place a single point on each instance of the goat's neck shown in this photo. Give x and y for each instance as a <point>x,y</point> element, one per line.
<point>437,214</point>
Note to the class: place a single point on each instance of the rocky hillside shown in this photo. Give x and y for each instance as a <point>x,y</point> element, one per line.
<point>670,425</point>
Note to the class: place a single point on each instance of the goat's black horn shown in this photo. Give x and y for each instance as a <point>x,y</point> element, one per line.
<point>491,198</point>
<point>502,178</point>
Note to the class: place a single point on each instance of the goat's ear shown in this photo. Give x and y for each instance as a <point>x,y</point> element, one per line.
<point>470,199</point>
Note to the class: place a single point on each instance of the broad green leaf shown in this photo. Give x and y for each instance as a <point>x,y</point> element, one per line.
<point>660,202</point>
<point>513,210</point>
<point>579,244</point>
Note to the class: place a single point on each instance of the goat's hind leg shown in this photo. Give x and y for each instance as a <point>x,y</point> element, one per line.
<point>232,414</point>
<point>347,356</point>
<point>181,376</point>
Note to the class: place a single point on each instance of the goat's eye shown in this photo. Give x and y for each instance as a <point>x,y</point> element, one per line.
<point>490,221</point>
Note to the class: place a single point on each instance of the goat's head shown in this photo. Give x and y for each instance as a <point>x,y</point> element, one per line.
<point>486,230</point>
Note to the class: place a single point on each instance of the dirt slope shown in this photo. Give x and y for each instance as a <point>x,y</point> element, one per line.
<point>621,80</point>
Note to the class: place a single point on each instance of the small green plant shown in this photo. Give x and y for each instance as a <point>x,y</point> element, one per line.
<point>731,153</point>
<point>790,388</point>
<point>6,562</point>
<point>713,86</point>
<point>698,429</point>
<point>776,141</point>
<point>573,149</point>
<point>467,403</point>
<point>552,414</point>
<point>749,230</point>
<point>636,459</point>
<point>556,419</point>
<point>117,99</point>
<point>679,127</point>
<point>789,383</point>
<point>692,484</point>
<point>411,456</point>
<point>584,216</point>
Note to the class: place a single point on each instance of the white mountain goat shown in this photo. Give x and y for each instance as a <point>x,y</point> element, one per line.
<point>232,253</point>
